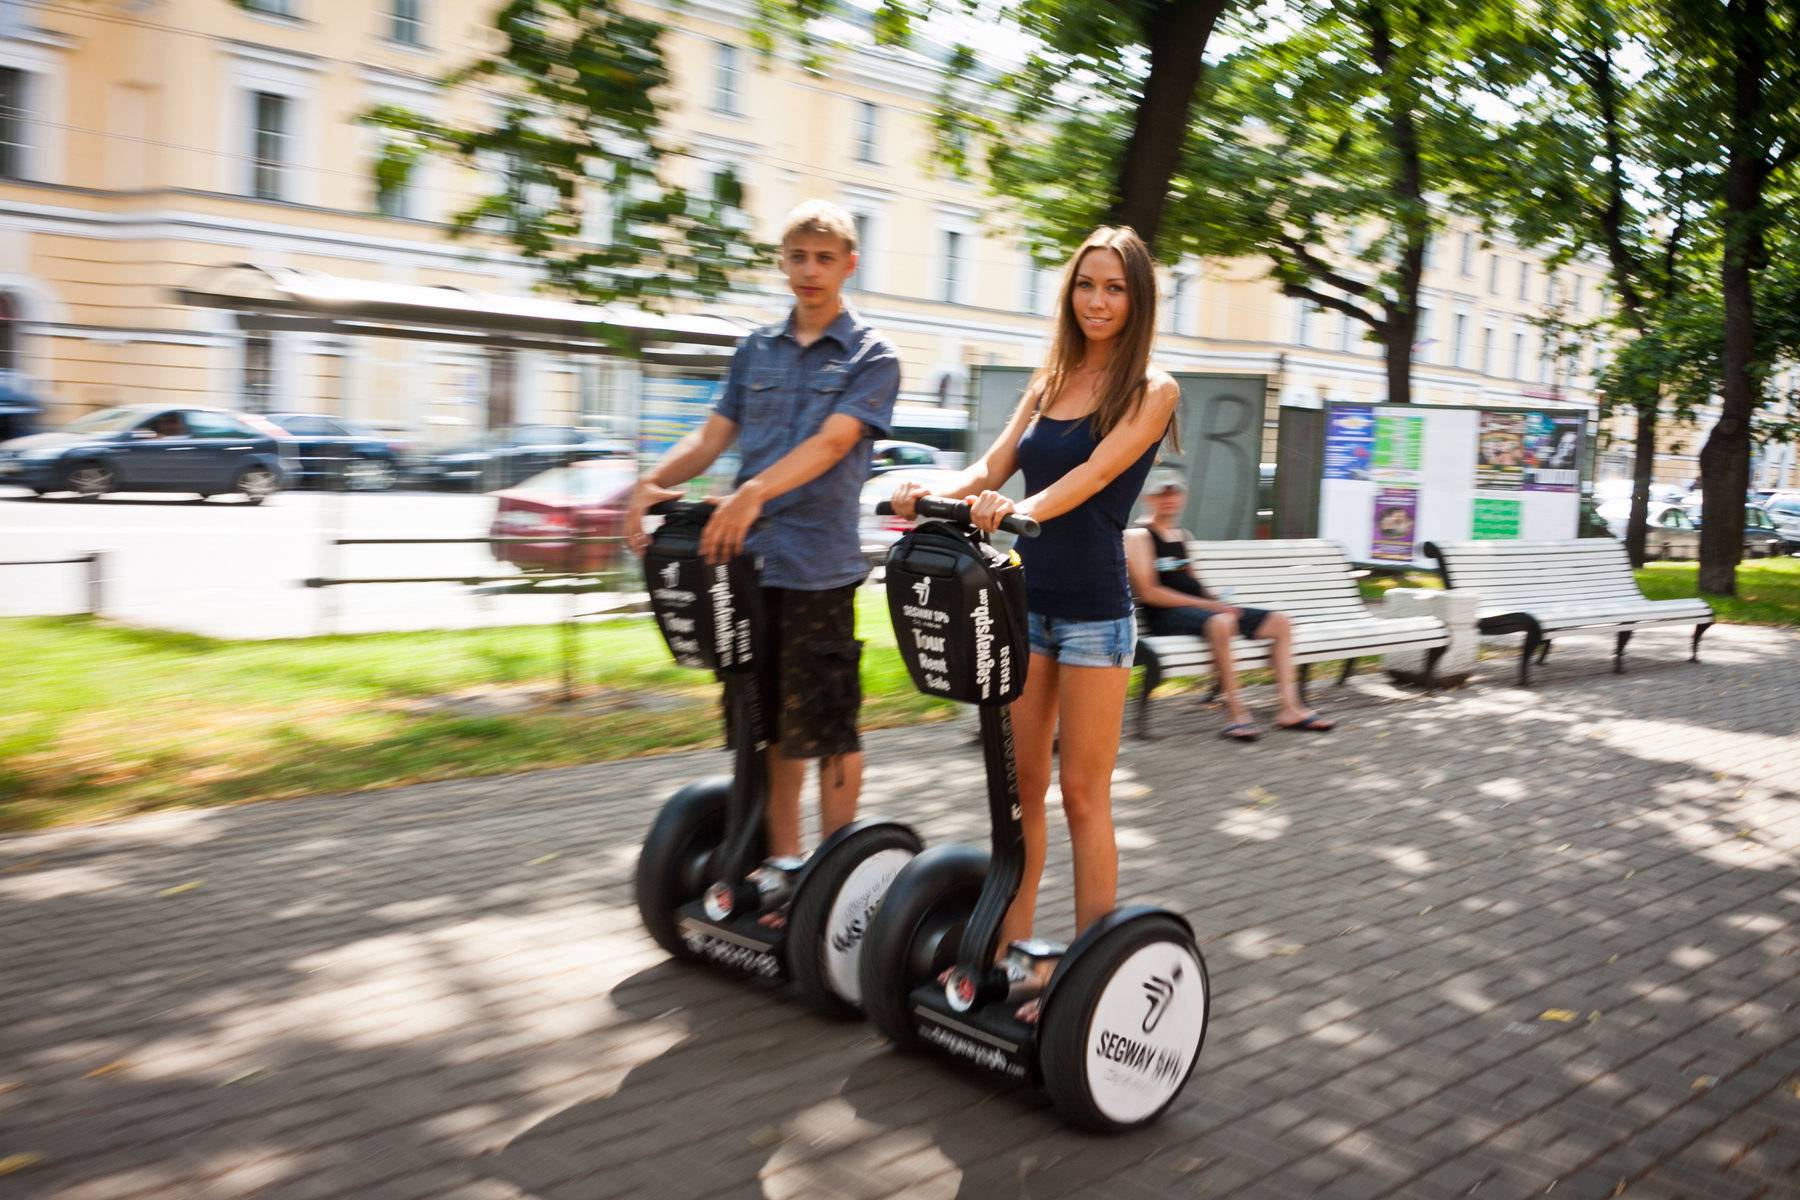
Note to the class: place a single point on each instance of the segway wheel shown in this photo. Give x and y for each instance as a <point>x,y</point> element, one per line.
<point>831,915</point>
<point>676,863</point>
<point>914,934</point>
<point>1121,1032</point>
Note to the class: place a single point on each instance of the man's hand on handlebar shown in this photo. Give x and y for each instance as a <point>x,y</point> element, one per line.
<point>643,496</point>
<point>730,523</point>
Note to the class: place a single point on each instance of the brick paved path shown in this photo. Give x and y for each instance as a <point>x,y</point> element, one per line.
<point>443,991</point>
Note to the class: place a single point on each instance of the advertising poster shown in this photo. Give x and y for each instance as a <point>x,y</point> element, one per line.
<point>1399,447</point>
<point>1496,520</point>
<point>1552,453</point>
<point>1500,452</point>
<point>1396,519</point>
<point>1349,442</point>
<point>673,405</point>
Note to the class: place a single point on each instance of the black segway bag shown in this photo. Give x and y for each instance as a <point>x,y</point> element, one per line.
<point>707,614</point>
<point>958,607</point>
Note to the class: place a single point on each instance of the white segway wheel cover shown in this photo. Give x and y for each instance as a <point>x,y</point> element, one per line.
<point>834,908</point>
<point>1124,1030</point>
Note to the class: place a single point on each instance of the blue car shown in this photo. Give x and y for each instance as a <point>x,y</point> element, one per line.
<point>150,448</point>
<point>334,452</point>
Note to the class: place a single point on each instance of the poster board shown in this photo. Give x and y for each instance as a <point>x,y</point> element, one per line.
<point>1398,476</point>
<point>1220,423</point>
<point>673,404</point>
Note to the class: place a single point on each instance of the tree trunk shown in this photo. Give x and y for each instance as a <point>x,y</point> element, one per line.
<point>1397,348</point>
<point>1409,186</point>
<point>1725,459</point>
<point>1643,470</point>
<point>1176,32</point>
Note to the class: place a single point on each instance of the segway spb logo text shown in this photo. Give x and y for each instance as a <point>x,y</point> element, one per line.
<point>1153,1064</point>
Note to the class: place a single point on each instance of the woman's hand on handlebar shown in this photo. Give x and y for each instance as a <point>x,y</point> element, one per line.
<point>642,497</point>
<point>987,510</point>
<point>906,497</point>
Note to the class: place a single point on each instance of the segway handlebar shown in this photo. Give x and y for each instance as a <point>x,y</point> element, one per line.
<point>944,509</point>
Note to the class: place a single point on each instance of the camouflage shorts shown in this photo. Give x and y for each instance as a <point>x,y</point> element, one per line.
<point>809,683</point>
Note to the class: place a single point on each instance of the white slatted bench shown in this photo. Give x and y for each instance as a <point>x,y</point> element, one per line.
<point>1310,581</point>
<point>1541,589</point>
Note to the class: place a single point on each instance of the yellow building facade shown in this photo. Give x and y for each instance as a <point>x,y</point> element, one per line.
<point>148,146</point>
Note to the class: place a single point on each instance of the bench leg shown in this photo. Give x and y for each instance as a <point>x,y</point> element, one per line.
<point>1533,639</point>
<point>1699,632</point>
<point>1543,652</point>
<point>1305,674</point>
<point>1213,695</point>
<point>1152,677</point>
<point>1619,652</point>
<point>1431,662</point>
<point>1349,670</point>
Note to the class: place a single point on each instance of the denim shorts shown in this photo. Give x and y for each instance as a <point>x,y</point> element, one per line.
<point>1084,643</point>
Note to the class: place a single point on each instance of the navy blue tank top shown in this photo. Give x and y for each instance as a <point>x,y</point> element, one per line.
<point>1075,568</point>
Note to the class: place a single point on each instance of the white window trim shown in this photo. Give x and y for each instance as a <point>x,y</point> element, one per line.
<point>1459,346</point>
<point>1179,319</point>
<point>260,69</point>
<point>424,22</point>
<point>948,223</point>
<point>734,106</point>
<point>871,263</point>
<point>47,104</point>
<point>1488,338</point>
<point>873,110</point>
<point>419,95</point>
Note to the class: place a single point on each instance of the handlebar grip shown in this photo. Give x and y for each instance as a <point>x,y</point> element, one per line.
<point>944,509</point>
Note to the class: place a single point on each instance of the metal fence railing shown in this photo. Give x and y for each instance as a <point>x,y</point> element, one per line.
<point>570,582</point>
<point>94,561</point>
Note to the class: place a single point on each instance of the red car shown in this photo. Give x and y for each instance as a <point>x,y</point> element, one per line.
<point>583,499</point>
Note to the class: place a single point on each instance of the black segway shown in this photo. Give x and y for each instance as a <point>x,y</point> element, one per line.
<point>695,892</point>
<point>1122,1018</point>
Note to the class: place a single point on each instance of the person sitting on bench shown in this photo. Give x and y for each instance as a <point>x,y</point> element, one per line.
<point>1165,584</point>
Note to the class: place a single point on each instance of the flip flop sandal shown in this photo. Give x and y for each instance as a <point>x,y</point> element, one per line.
<point>1240,731</point>
<point>1312,723</point>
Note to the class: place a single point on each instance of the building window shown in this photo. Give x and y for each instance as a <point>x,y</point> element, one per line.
<point>257,390</point>
<point>867,120</point>
<point>1459,336</point>
<point>406,23</point>
<point>273,8</point>
<point>1345,321</point>
<point>15,125</point>
<point>1467,258</point>
<point>1422,339</point>
<point>393,181</point>
<point>1487,350</point>
<point>725,79</point>
<point>953,266</point>
<point>1303,323</point>
<point>269,144</point>
<point>1524,280</point>
<point>1517,360</point>
<point>1493,274</point>
<point>1176,319</point>
<point>859,280</point>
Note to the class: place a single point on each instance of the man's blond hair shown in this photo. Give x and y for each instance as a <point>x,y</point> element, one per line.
<point>820,216</point>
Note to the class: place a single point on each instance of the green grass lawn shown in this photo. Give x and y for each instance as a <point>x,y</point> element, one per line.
<point>1768,589</point>
<point>101,721</point>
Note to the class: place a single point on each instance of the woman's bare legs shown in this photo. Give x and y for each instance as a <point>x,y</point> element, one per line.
<point>1092,710</point>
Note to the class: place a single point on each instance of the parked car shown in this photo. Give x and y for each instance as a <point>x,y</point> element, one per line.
<point>892,456</point>
<point>1783,511</point>
<point>583,499</point>
<point>327,451</point>
<point>1671,533</point>
<point>151,448</point>
<point>511,455</point>
<point>878,533</point>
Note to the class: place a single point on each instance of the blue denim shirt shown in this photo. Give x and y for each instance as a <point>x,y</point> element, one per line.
<point>779,394</point>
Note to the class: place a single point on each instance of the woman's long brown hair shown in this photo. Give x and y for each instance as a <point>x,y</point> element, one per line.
<point>1125,384</point>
